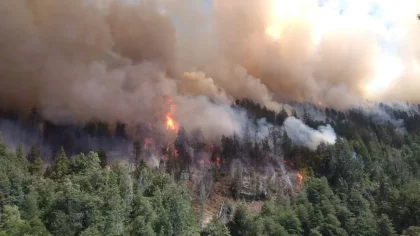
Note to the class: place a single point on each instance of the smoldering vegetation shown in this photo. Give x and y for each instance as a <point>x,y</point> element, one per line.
<point>262,127</point>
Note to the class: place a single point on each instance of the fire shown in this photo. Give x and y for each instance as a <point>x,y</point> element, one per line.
<point>171,124</point>
<point>176,154</point>
<point>218,161</point>
<point>147,142</point>
<point>215,163</point>
<point>300,178</point>
<point>288,163</point>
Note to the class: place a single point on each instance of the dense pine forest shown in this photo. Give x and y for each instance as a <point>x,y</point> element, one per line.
<point>209,118</point>
<point>367,183</point>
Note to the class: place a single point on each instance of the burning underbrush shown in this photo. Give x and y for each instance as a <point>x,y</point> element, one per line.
<point>238,167</point>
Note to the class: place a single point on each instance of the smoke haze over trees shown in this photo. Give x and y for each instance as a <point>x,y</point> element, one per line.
<point>365,183</point>
<point>182,117</point>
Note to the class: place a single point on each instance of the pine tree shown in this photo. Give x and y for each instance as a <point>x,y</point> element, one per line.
<point>286,144</point>
<point>61,165</point>
<point>20,155</point>
<point>236,184</point>
<point>136,152</point>
<point>385,226</point>
<point>240,223</point>
<point>215,228</point>
<point>4,188</point>
<point>48,172</point>
<point>281,117</point>
<point>102,156</point>
<point>33,154</point>
<point>36,165</point>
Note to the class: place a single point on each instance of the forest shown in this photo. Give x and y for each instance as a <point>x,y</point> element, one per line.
<point>367,183</point>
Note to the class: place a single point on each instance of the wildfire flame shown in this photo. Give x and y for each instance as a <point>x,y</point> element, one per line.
<point>212,163</point>
<point>171,124</point>
<point>176,154</point>
<point>147,142</point>
<point>288,163</point>
<point>298,175</point>
<point>300,178</point>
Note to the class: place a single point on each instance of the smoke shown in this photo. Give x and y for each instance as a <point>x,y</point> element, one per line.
<point>15,135</point>
<point>77,61</point>
<point>213,118</point>
<point>303,135</point>
<point>339,54</point>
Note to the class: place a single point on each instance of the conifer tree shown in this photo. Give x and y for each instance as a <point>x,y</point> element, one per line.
<point>36,164</point>
<point>61,165</point>
<point>102,157</point>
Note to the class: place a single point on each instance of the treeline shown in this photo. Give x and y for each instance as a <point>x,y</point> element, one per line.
<point>81,197</point>
<point>368,183</point>
<point>374,193</point>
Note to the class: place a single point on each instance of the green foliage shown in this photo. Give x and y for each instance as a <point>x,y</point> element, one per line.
<point>102,157</point>
<point>412,231</point>
<point>10,221</point>
<point>30,206</point>
<point>241,222</point>
<point>82,198</point>
<point>385,226</point>
<point>36,165</point>
<point>215,228</point>
<point>4,188</point>
<point>20,156</point>
<point>367,183</point>
<point>236,183</point>
<point>61,165</point>
<point>315,233</point>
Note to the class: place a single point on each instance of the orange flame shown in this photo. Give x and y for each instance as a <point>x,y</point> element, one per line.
<point>288,163</point>
<point>215,163</point>
<point>171,124</point>
<point>176,154</point>
<point>300,178</point>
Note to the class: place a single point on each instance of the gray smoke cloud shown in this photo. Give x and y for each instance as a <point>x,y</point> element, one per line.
<point>303,135</point>
<point>80,60</point>
<point>15,135</point>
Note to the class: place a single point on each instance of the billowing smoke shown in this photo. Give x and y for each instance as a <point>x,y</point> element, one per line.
<point>303,135</point>
<point>115,61</point>
<point>338,53</point>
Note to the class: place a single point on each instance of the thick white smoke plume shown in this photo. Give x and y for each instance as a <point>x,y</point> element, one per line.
<point>303,135</point>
